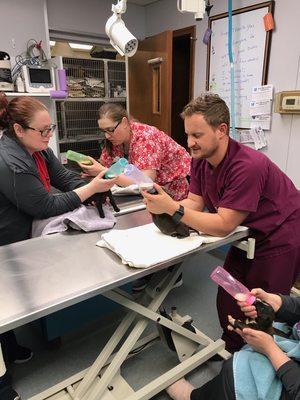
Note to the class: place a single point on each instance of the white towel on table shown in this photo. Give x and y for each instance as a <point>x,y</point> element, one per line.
<point>85,218</point>
<point>146,245</point>
<point>211,239</point>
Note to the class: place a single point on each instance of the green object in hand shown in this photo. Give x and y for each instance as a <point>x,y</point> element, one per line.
<point>116,169</point>
<point>78,157</point>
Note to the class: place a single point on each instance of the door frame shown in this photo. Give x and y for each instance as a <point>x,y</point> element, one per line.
<point>183,32</point>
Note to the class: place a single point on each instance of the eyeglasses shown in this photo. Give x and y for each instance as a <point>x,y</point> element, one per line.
<point>44,132</point>
<point>110,131</point>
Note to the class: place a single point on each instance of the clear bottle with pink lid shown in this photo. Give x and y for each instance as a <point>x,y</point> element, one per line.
<point>235,288</point>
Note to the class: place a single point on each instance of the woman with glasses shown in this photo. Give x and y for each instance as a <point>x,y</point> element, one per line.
<point>28,169</point>
<point>148,148</point>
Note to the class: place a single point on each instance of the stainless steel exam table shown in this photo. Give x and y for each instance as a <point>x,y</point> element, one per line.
<point>43,275</point>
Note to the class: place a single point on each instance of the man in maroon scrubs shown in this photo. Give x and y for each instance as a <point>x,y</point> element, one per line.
<point>238,186</point>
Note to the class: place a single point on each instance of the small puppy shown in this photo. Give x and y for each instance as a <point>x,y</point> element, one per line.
<point>263,321</point>
<point>100,198</point>
<point>166,225</point>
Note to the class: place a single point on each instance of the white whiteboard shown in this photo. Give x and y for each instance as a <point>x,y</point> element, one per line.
<point>249,40</point>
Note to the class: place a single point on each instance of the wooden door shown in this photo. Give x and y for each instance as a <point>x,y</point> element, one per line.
<point>182,78</point>
<point>150,81</point>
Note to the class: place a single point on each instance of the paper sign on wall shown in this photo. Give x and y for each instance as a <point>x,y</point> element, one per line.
<point>264,92</point>
<point>256,136</point>
<point>260,107</point>
<point>262,121</point>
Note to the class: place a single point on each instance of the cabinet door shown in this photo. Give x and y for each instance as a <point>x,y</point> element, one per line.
<point>150,84</point>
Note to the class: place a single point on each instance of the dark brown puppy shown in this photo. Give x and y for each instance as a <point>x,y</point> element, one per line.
<point>168,226</point>
<point>100,198</point>
<point>263,321</point>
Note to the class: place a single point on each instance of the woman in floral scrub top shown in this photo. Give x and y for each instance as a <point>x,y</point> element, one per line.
<point>149,149</point>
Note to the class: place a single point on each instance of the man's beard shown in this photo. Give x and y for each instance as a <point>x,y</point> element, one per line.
<point>204,154</point>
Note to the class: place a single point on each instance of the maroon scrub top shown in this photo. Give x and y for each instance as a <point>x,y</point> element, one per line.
<point>247,180</point>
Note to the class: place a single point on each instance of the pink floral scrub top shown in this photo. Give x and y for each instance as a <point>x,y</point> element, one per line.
<point>152,149</point>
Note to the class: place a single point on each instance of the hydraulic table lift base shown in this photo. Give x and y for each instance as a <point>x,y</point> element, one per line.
<point>103,381</point>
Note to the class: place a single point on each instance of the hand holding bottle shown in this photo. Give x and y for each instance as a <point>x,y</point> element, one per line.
<point>274,300</point>
<point>93,169</point>
<point>78,157</point>
<point>116,169</point>
<point>99,184</point>
<point>96,185</point>
<point>143,181</point>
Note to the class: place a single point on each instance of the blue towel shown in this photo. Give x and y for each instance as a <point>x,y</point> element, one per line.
<point>254,375</point>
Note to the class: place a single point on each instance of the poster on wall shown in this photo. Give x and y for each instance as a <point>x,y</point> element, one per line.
<point>251,48</point>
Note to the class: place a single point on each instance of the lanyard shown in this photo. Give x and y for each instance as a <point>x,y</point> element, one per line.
<point>231,60</point>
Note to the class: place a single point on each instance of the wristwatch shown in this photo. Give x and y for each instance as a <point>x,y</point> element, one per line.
<point>178,214</point>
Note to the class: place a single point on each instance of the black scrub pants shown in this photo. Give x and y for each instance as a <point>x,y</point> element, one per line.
<point>4,379</point>
<point>219,388</point>
<point>8,343</point>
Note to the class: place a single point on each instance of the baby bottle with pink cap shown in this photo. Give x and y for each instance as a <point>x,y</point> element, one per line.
<point>235,288</point>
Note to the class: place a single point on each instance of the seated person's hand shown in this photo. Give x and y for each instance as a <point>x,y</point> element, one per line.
<point>100,184</point>
<point>261,313</point>
<point>260,341</point>
<point>273,299</point>
<point>92,170</point>
<point>159,203</point>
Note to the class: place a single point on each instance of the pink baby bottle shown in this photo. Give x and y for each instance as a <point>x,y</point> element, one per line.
<point>235,288</point>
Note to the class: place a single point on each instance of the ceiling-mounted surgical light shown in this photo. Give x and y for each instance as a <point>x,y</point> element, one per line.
<point>120,37</point>
<point>194,6</point>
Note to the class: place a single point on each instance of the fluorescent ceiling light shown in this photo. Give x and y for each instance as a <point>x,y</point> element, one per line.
<point>52,42</point>
<point>79,46</point>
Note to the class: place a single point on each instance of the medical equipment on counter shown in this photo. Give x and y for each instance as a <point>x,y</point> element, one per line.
<point>142,180</point>
<point>34,55</point>
<point>78,157</point>
<point>6,83</point>
<point>232,286</point>
<point>38,79</point>
<point>116,169</point>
